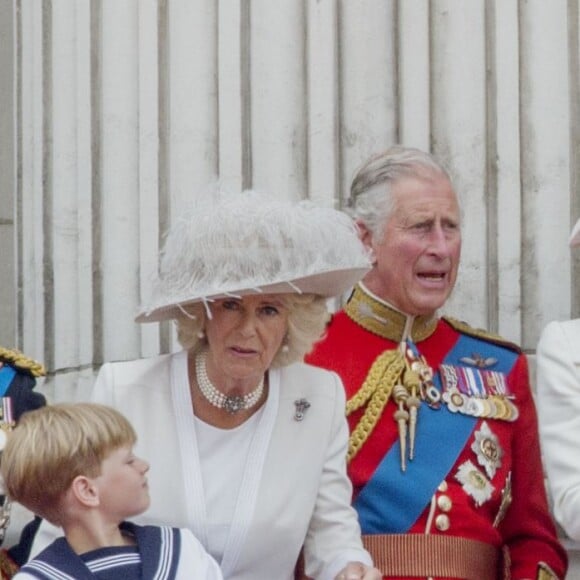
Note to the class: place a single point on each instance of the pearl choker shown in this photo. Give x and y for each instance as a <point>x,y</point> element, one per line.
<point>231,403</point>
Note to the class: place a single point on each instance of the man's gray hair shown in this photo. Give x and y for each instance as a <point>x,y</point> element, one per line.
<point>371,199</point>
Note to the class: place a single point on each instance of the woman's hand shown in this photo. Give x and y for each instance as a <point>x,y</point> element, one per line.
<point>358,571</point>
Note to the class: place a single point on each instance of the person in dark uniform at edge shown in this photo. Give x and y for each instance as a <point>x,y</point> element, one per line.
<point>18,374</point>
<point>444,454</point>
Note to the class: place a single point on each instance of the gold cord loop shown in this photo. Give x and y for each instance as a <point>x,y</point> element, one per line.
<point>376,390</point>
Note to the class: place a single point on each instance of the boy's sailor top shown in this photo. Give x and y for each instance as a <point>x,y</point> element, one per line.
<point>444,454</point>
<point>161,553</point>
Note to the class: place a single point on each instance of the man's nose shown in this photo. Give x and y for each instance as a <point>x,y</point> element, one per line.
<point>439,241</point>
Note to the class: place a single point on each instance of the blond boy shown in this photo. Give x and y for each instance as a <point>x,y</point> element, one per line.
<point>73,464</point>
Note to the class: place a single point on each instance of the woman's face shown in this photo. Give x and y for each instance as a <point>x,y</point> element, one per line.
<point>244,336</point>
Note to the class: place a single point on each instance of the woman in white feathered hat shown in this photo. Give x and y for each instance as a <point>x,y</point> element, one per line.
<point>247,445</point>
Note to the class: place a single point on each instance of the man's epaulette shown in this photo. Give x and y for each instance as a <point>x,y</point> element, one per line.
<point>16,359</point>
<point>464,328</point>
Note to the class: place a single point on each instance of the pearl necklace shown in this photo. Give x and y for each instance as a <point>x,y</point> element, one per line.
<point>231,403</point>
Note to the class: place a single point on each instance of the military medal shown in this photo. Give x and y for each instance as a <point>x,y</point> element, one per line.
<point>428,391</point>
<point>455,400</point>
<point>501,409</point>
<point>477,392</point>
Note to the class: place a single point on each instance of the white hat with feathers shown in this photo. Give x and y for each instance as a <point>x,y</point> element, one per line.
<point>248,243</point>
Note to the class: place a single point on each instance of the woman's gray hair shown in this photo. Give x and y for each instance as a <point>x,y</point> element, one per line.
<point>371,199</point>
<point>307,318</point>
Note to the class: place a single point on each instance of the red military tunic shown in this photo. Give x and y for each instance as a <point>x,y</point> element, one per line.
<point>456,507</point>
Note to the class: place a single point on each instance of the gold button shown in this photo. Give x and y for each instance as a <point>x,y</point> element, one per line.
<point>442,522</point>
<point>442,486</point>
<point>444,503</point>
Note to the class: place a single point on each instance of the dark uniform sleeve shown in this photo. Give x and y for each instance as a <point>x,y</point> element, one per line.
<point>18,375</point>
<point>21,373</point>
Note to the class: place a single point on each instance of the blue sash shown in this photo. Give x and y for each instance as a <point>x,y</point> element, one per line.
<point>7,373</point>
<point>392,500</point>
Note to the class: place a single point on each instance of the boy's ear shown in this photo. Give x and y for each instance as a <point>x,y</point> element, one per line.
<point>85,491</point>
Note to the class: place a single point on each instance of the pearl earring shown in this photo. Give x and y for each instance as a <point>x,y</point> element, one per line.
<point>201,335</point>
<point>285,348</point>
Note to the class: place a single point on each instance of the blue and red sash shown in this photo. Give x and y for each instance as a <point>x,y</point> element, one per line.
<point>392,500</point>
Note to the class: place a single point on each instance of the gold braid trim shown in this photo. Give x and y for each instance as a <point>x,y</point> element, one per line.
<point>383,375</point>
<point>464,328</point>
<point>383,320</point>
<point>22,362</point>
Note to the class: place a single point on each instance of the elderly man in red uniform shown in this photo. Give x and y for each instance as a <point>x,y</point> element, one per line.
<point>444,454</point>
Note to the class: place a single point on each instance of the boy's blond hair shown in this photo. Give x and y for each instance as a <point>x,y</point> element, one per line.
<point>51,446</point>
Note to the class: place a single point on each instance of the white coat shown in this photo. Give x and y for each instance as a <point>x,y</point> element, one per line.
<point>558,392</point>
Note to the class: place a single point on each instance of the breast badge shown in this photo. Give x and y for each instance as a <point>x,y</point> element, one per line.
<point>474,483</point>
<point>487,449</point>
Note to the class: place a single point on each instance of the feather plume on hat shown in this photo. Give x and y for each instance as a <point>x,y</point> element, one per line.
<point>248,243</point>
<point>575,235</point>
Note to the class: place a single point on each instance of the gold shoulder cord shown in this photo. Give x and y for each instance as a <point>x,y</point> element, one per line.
<point>376,390</point>
<point>16,358</point>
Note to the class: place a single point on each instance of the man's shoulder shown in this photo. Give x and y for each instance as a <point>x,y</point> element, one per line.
<point>20,362</point>
<point>18,374</point>
<point>481,334</point>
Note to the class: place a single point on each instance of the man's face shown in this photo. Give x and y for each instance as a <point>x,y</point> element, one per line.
<point>417,254</point>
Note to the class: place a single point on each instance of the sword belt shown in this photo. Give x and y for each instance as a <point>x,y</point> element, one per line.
<point>433,556</point>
